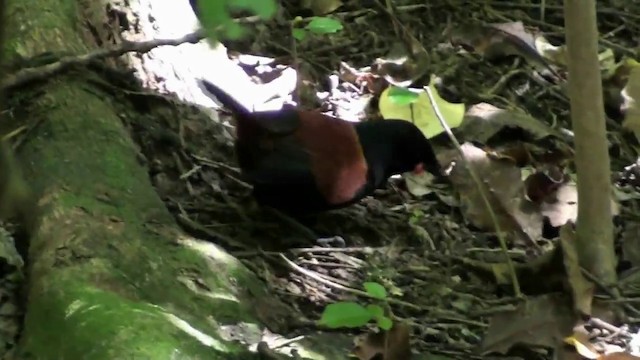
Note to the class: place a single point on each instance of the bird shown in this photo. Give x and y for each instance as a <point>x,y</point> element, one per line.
<point>303,161</point>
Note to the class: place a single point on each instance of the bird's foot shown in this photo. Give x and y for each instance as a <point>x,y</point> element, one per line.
<point>329,241</point>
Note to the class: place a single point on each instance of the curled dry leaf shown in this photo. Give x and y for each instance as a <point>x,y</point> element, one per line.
<point>362,78</point>
<point>542,184</point>
<point>498,40</point>
<point>517,152</point>
<point>504,186</point>
<point>520,206</point>
<point>408,60</point>
<point>385,345</point>
<point>482,121</point>
<point>580,341</point>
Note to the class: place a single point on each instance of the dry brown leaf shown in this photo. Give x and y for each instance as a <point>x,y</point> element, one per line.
<point>397,344</point>
<point>581,288</point>
<point>516,152</point>
<point>631,243</point>
<point>543,184</point>
<point>541,321</point>
<point>505,189</point>
<point>498,40</point>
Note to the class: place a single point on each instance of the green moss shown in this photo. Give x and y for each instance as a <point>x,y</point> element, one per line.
<point>102,210</point>
<point>103,325</point>
<point>105,264</point>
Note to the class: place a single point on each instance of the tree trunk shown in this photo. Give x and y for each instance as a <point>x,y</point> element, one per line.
<point>106,257</point>
<point>594,224</point>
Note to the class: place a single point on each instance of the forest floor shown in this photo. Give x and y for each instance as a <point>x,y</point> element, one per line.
<point>426,251</point>
<point>444,272</point>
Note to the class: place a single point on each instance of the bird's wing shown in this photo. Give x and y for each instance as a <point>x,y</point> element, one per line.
<point>280,161</point>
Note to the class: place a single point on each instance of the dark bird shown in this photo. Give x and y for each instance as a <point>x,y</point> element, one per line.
<point>301,161</point>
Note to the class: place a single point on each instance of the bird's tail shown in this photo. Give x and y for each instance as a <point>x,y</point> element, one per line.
<point>227,100</point>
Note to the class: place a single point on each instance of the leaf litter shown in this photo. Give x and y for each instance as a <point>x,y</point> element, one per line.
<point>437,255</point>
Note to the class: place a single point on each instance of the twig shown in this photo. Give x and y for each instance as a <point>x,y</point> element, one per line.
<point>200,231</point>
<point>357,292</point>
<point>40,73</point>
<point>288,342</point>
<point>613,293</point>
<point>194,169</point>
<point>365,250</point>
<point>485,198</point>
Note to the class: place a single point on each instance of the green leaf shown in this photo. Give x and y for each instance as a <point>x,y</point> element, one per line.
<point>299,34</point>
<point>376,290</point>
<point>402,96</point>
<point>345,314</point>
<point>263,8</point>
<point>234,31</point>
<point>421,112</point>
<point>375,310</point>
<point>385,323</point>
<point>324,25</point>
<point>214,15</point>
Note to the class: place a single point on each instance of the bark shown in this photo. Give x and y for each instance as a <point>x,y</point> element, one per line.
<point>110,276</point>
<point>594,224</point>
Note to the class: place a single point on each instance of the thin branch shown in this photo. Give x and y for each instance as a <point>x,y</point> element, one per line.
<point>485,198</point>
<point>42,72</point>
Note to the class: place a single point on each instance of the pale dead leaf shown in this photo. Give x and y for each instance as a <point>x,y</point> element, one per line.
<point>632,91</point>
<point>401,71</point>
<point>542,321</point>
<point>565,207</point>
<point>505,189</point>
<point>483,120</point>
<point>619,356</point>
<point>418,184</point>
<point>555,54</point>
<point>582,346</point>
<point>581,288</point>
<point>368,346</point>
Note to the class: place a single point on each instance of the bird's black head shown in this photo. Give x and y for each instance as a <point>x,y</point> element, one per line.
<point>397,146</point>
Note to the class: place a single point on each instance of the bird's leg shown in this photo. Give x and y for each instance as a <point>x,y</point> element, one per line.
<point>293,222</point>
<point>305,230</point>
